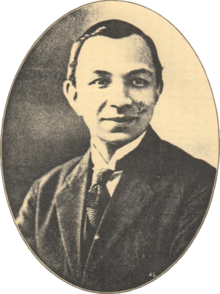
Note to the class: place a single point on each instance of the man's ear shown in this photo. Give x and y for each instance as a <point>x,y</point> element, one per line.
<point>159,90</point>
<point>71,95</point>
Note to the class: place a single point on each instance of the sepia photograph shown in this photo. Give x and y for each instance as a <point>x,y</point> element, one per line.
<point>110,149</point>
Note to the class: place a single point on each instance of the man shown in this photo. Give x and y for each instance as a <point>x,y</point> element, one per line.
<point>124,212</point>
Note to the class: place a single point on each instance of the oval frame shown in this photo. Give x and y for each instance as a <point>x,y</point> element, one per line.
<point>10,211</point>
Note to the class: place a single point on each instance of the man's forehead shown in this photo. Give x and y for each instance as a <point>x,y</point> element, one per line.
<point>102,52</point>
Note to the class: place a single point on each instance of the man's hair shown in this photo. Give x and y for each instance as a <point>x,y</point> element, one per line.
<point>115,29</point>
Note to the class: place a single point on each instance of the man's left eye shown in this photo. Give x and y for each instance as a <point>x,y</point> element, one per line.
<point>139,82</point>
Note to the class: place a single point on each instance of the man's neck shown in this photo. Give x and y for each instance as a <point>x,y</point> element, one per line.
<point>107,150</point>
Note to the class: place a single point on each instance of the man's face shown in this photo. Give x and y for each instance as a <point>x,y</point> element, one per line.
<point>116,87</point>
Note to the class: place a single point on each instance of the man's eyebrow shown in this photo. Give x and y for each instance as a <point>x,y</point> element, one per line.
<point>140,71</point>
<point>102,72</point>
<point>133,72</point>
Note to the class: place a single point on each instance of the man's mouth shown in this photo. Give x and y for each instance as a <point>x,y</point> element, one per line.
<point>123,119</point>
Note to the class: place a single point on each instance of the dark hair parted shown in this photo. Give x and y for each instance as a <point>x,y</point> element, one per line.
<point>115,29</point>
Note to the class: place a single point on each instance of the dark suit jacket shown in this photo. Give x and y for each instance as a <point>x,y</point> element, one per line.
<point>156,210</point>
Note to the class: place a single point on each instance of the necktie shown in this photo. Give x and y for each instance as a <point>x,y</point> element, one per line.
<point>98,198</point>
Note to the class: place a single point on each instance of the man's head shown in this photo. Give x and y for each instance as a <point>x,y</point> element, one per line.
<point>114,80</point>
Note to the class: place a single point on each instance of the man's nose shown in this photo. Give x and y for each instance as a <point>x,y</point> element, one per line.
<point>119,96</point>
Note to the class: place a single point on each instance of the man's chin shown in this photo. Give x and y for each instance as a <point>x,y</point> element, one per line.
<point>117,139</point>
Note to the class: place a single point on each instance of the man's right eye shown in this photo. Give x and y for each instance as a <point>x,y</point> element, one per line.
<point>101,82</point>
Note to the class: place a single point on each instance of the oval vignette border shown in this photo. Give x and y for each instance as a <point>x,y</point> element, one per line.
<point>22,61</point>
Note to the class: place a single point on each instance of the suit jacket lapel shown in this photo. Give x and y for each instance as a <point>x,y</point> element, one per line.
<point>130,198</point>
<point>70,211</point>
<point>138,186</point>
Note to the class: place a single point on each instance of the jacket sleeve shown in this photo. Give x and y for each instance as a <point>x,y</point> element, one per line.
<point>192,214</point>
<point>27,216</point>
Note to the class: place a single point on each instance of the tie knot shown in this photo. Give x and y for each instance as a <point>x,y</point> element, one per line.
<point>103,176</point>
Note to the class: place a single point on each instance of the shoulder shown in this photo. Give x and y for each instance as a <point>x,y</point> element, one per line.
<point>175,161</point>
<point>55,179</point>
<point>185,166</point>
<point>41,194</point>
<point>175,155</point>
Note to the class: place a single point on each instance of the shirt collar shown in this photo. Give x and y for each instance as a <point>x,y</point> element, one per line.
<point>99,161</point>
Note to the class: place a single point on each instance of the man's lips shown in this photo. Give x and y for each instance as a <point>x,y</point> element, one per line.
<point>120,119</point>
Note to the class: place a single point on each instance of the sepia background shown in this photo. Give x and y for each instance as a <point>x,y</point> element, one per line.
<point>41,131</point>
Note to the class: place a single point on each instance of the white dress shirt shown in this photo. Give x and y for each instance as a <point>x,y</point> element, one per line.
<point>100,163</point>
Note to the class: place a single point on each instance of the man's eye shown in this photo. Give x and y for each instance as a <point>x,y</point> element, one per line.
<point>139,82</point>
<point>102,82</point>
